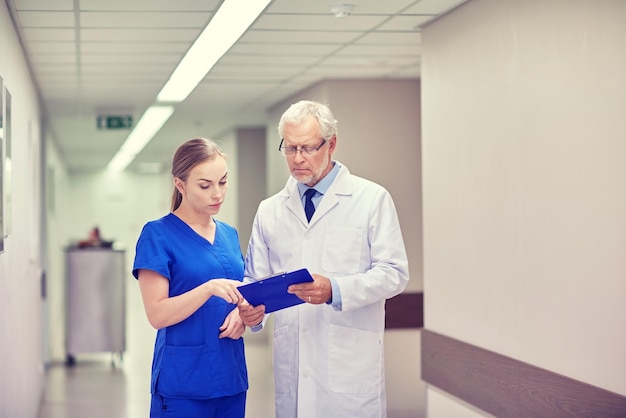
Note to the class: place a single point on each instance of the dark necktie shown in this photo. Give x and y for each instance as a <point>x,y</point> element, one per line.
<point>309,208</point>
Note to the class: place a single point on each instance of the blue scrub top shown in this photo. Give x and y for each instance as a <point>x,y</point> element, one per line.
<point>190,361</point>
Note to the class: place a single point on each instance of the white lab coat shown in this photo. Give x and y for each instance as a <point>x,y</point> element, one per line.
<point>330,363</point>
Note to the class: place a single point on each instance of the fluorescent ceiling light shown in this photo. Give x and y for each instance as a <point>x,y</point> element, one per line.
<point>231,20</point>
<point>150,123</point>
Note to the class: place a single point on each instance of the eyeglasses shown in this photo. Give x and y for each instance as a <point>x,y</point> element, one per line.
<point>292,151</point>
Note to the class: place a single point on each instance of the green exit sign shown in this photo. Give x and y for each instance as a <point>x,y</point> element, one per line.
<point>115,122</point>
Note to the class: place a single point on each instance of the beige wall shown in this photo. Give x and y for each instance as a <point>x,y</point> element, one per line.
<point>379,138</point>
<point>525,184</point>
<point>251,176</point>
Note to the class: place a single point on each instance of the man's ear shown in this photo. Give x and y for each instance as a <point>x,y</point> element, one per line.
<point>332,143</point>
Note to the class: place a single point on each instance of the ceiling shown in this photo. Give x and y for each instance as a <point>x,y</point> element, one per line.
<point>97,57</point>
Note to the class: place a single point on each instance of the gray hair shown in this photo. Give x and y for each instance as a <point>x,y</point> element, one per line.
<point>298,112</point>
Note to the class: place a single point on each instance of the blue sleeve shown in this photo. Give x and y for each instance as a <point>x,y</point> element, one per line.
<point>335,300</point>
<point>152,252</point>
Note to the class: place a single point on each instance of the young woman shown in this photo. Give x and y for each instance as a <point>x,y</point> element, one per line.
<point>189,266</point>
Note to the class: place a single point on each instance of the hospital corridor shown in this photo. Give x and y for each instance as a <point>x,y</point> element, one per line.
<point>483,139</point>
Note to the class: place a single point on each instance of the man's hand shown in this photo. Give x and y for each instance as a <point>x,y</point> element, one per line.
<point>318,292</point>
<point>251,315</point>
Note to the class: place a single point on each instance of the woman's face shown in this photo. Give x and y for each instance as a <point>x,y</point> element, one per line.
<point>206,186</point>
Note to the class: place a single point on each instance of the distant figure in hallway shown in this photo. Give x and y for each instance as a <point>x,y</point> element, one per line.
<point>189,266</point>
<point>328,352</point>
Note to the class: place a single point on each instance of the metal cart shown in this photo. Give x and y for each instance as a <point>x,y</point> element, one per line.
<point>96,302</point>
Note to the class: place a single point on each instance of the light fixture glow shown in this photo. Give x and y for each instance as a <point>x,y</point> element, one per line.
<point>150,123</point>
<point>226,27</point>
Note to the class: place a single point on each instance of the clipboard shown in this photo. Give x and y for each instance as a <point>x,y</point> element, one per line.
<point>272,291</point>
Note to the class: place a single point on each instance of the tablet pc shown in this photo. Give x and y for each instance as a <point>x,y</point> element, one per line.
<point>272,291</point>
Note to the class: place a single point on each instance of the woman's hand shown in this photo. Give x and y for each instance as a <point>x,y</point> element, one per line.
<point>232,327</point>
<point>225,289</point>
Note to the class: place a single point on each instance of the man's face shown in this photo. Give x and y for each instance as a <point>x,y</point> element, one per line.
<point>308,169</point>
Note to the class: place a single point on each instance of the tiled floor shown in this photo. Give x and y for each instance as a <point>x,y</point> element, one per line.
<point>97,387</point>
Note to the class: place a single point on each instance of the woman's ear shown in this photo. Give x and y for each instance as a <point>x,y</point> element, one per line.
<point>180,186</point>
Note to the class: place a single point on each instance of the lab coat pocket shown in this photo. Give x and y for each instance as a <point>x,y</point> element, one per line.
<point>355,363</point>
<point>282,361</point>
<point>342,250</point>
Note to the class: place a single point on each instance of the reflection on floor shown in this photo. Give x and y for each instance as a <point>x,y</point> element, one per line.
<point>100,386</point>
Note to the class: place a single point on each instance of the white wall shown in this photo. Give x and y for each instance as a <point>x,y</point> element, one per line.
<point>119,204</point>
<point>21,358</point>
<point>57,218</point>
<point>525,183</point>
